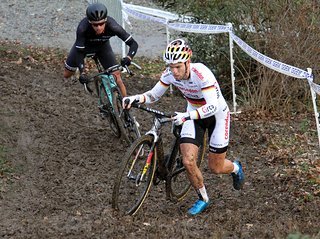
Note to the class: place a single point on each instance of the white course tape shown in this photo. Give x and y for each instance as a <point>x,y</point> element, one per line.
<point>163,17</point>
<point>142,16</point>
<point>276,65</point>
<point>151,11</point>
<point>216,29</point>
<point>200,28</point>
<point>315,87</point>
<point>269,62</point>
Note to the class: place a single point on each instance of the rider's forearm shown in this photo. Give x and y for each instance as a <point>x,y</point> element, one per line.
<point>204,111</point>
<point>133,47</point>
<point>210,108</point>
<point>155,93</point>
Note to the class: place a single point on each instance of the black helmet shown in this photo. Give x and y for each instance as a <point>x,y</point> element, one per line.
<point>96,12</point>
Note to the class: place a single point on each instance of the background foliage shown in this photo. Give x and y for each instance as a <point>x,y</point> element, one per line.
<point>287,31</point>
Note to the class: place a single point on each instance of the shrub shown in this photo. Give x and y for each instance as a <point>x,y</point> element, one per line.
<point>287,31</point>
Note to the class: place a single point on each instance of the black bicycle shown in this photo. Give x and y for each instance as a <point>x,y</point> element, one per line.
<point>121,122</point>
<point>145,163</point>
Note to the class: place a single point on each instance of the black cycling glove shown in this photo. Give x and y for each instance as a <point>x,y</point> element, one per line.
<point>125,61</point>
<point>83,79</point>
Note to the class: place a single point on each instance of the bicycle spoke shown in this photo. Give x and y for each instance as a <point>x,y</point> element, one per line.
<point>179,182</point>
<point>135,177</point>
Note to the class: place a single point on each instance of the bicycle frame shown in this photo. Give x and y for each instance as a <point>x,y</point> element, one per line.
<point>145,163</point>
<point>110,101</point>
<point>109,84</point>
<point>157,148</point>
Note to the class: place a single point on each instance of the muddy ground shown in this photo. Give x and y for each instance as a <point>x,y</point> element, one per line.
<point>58,160</point>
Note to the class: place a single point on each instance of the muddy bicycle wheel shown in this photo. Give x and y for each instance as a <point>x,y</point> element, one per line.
<point>107,111</point>
<point>127,124</point>
<point>134,178</point>
<point>177,183</point>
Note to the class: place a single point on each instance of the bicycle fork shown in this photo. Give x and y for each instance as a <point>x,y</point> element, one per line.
<point>141,175</point>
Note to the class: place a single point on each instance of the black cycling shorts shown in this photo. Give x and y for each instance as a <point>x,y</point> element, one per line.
<point>104,53</point>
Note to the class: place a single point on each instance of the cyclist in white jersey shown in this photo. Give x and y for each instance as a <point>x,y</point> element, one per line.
<point>206,109</point>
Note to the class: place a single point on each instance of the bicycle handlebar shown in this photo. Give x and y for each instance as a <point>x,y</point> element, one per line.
<point>158,113</point>
<point>112,69</point>
<point>108,71</point>
<point>165,117</point>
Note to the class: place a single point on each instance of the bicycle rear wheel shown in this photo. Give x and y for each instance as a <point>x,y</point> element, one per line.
<point>177,183</point>
<point>134,178</point>
<point>107,110</point>
<point>127,124</point>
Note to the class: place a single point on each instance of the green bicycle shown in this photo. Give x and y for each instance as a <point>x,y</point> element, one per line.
<point>121,122</point>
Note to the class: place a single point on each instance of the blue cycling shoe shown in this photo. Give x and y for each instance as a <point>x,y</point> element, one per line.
<point>198,207</point>
<point>238,178</point>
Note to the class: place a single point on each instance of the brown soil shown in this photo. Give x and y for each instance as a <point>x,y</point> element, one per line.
<point>58,161</point>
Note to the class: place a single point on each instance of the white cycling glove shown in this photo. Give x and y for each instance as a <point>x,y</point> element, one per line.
<point>127,101</point>
<point>180,118</point>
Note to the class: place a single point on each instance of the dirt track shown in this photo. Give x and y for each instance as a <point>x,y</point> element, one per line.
<point>64,160</point>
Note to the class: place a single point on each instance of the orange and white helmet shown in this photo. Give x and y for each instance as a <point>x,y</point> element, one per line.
<point>177,51</point>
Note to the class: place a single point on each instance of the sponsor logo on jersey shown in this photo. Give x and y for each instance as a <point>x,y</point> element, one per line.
<point>199,75</point>
<point>208,109</point>
<point>188,90</point>
<point>225,108</point>
<point>226,126</point>
<point>218,92</point>
<point>188,135</point>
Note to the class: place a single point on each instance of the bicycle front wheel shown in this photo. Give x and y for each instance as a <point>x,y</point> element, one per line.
<point>177,183</point>
<point>126,123</point>
<point>134,179</point>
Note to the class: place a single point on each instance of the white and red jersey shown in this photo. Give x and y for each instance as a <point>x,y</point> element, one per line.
<point>201,90</point>
<point>205,101</point>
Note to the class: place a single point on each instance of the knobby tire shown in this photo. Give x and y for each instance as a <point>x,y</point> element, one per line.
<point>128,128</point>
<point>129,191</point>
<point>118,113</point>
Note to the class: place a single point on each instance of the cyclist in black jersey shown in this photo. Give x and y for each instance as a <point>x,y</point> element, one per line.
<point>206,110</point>
<point>93,36</point>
